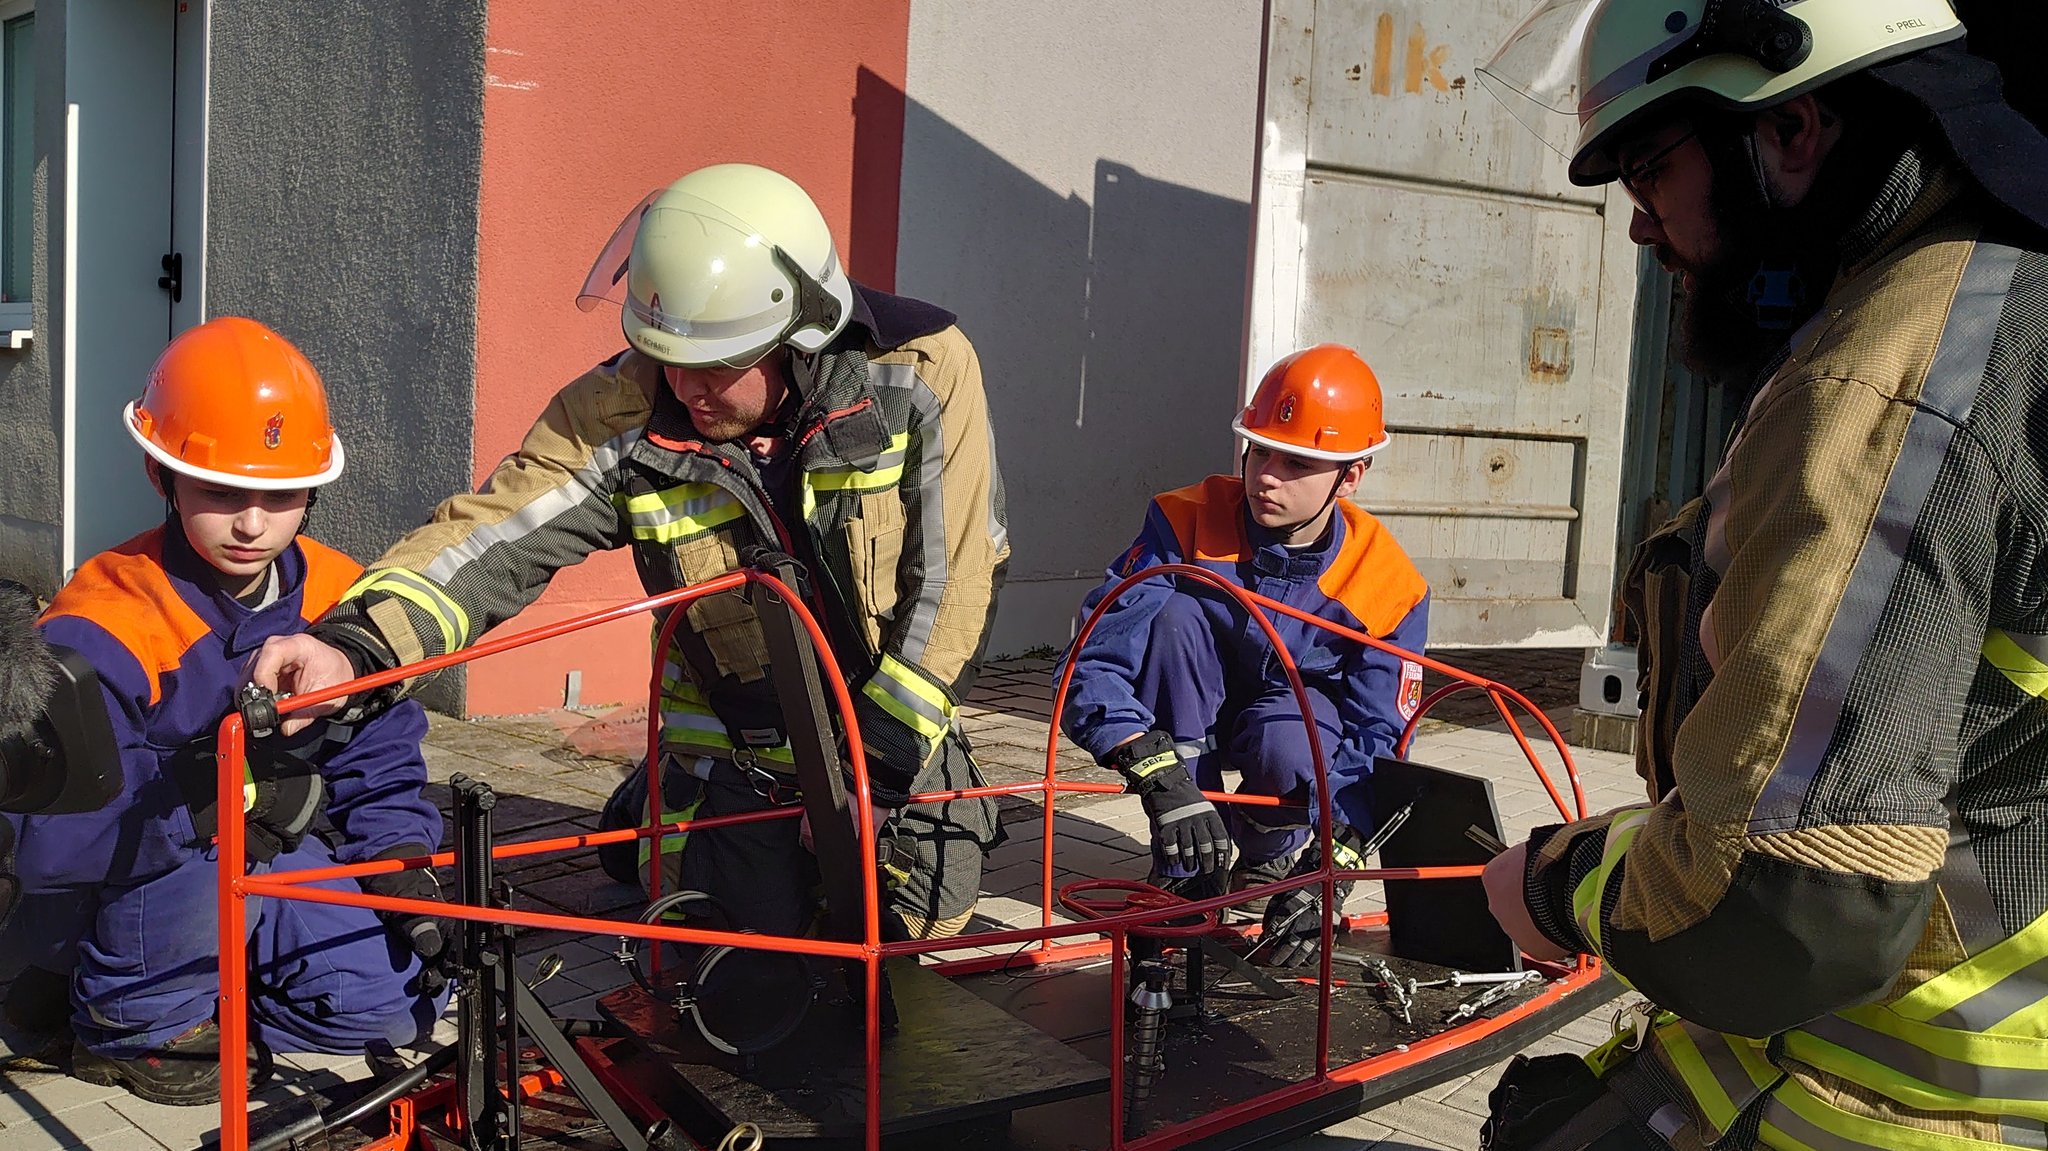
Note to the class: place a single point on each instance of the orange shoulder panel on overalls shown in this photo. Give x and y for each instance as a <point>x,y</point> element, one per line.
<point>329,575</point>
<point>125,592</point>
<point>1371,575</point>
<point>1205,519</point>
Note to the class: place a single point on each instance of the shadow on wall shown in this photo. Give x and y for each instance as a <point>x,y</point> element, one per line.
<point>1108,328</point>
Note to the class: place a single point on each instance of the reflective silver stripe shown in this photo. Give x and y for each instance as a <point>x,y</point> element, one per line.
<point>1720,1059</point>
<point>2033,645</point>
<point>887,471</point>
<point>1966,891</point>
<point>1980,1080</point>
<point>678,504</point>
<point>1998,1002</point>
<point>998,535</point>
<point>1778,1115</point>
<point>565,497</point>
<point>1192,809</point>
<point>1953,379</point>
<point>2022,1132</point>
<point>903,694</point>
<point>924,499</point>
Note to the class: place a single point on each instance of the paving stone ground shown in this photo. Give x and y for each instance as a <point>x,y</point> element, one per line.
<point>554,771</point>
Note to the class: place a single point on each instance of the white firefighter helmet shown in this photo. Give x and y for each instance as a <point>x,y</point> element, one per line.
<point>722,267</point>
<point>1585,74</point>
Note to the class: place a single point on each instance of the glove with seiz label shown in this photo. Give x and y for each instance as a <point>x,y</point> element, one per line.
<point>1187,832</point>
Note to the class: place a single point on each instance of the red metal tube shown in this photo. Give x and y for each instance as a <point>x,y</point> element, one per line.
<point>585,925</point>
<point>229,759</point>
<point>1119,978</point>
<point>235,887</point>
<point>491,647</point>
<point>529,847</point>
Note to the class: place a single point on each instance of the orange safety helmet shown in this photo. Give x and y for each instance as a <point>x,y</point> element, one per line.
<point>234,403</point>
<point>1321,402</point>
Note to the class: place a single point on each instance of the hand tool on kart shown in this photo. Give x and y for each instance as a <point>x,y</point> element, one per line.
<point>1492,995</point>
<point>1365,851</point>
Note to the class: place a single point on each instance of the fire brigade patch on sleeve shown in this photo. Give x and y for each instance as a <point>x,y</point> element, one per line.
<point>1411,688</point>
<point>1131,559</point>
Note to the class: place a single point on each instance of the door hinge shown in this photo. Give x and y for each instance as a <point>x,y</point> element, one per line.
<point>173,279</point>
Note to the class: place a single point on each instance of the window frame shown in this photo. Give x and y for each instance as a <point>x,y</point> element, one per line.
<point>16,316</point>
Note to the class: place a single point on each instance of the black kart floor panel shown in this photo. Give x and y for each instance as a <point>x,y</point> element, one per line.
<point>1008,1061</point>
<point>955,1058</point>
<point>1017,1061</point>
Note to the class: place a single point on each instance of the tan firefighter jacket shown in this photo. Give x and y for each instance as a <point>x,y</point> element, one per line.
<point>1839,892</point>
<point>901,528</point>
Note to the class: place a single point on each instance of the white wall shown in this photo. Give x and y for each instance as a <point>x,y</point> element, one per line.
<point>1076,185</point>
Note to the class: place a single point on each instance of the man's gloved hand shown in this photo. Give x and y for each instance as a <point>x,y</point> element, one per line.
<point>1186,829</point>
<point>424,935</point>
<point>1293,933</point>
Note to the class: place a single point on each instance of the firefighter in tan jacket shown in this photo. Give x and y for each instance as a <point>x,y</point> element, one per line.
<point>1834,898</point>
<point>765,400</point>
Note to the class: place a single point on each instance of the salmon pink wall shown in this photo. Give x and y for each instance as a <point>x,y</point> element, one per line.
<point>587,108</point>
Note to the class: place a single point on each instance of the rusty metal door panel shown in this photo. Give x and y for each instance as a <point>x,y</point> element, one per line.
<point>1402,210</point>
<point>1475,311</point>
<point>1484,517</point>
<point>1416,60</point>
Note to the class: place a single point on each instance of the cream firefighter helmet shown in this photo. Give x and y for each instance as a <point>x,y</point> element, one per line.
<point>722,267</point>
<point>1584,74</point>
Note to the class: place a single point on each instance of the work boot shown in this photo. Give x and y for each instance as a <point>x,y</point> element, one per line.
<point>182,1073</point>
<point>39,1002</point>
<point>1249,874</point>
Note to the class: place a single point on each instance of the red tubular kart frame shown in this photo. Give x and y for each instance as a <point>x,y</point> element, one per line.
<point>236,885</point>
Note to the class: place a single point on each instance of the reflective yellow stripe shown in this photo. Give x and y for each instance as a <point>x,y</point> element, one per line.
<point>689,725</point>
<point>1796,1120</point>
<point>1698,1078</point>
<point>1586,898</point>
<point>1151,765</point>
<point>2025,669</point>
<point>423,594</point>
<point>2009,970</point>
<point>922,706</point>
<point>1347,856</point>
<point>887,474</point>
<point>673,842</point>
<point>680,512</point>
<point>1932,1068</point>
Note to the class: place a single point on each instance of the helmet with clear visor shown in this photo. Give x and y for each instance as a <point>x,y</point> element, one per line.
<point>1586,74</point>
<point>722,267</point>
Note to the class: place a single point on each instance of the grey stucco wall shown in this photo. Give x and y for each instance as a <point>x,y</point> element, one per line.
<point>345,150</point>
<point>1081,198</point>
<point>31,495</point>
<point>344,153</point>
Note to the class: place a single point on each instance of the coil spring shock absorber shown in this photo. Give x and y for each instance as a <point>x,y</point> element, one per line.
<point>1153,997</point>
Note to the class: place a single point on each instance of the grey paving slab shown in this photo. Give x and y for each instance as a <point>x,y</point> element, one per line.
<point>97,1126</point>
<point>26,1095</point>
<point>1360,1134</point>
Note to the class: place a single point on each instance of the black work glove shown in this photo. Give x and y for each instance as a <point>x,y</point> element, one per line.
<point>1185,826</point>
<point>424,935</point>
<point>1293,934</point>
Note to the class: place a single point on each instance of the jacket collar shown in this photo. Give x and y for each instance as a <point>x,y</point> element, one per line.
<point>242,629</point>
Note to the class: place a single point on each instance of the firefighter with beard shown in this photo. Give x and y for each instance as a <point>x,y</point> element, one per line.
<point>1833,902</point>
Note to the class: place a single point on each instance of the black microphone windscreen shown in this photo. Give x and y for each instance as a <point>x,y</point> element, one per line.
<point>28,669</point>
